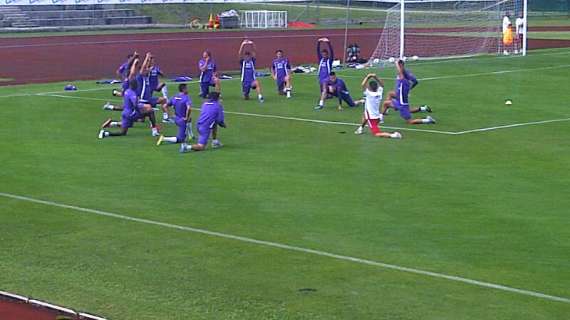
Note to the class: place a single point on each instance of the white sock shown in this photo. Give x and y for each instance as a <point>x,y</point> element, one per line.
<point>170,139</point>
<point>164,92</point>
<point>106,133</point>
<point>321,103</point>
<point>423,108</point>
<point>288,93</point>
<point>259,96</point>
<point>381,117</point>
<point>215,141</point>
<point>426,120</point>
<point>114,124</point>
<point>165,115</point>
<point>154,130</point>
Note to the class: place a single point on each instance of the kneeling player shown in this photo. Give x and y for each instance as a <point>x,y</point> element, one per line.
<point>373,91</point>
<point>281,73</point>
<point>398,99</point>
<point>335,87</point>
<point>132,111</point>
<point>247,64</point>
<point>182,109</point>
<point>211,116</point>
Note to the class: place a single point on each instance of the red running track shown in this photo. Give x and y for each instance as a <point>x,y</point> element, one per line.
<point>85,57</point>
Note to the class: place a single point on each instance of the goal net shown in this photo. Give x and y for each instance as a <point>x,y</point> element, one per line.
<point>443,28</point>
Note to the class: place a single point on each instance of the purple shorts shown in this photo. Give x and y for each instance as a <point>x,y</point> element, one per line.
<point>125,85</point>
<point>280,83</point>
<point>204,134</point>
<point>127,120</point>
<point>153,101</point>
<point>246,87</point>
<point>181,124</point>
<point>205,88</point>
<point>404,109</point>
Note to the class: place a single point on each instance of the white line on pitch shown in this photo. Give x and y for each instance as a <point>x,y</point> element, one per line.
<point>276,116</point>
<point>514,125</point>
<point>292,248</point>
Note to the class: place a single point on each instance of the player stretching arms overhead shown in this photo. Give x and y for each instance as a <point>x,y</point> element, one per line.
<point>373,91</point>
<point>208,74</point>
<point>132,111</point>
<point>398,99</point>
<point>335,87</point>
<point>145,90</point>
<point>123,73</point>
<point>281,73</point>
<point>182,109</point>
<point>247,66</point>
<point>326,58</point>
<point>211,116</point>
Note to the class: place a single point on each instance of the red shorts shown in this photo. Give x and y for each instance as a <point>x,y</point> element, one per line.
<point>373,124</point>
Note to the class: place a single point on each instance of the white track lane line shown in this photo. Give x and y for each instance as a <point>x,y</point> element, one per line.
<point>292,248</point>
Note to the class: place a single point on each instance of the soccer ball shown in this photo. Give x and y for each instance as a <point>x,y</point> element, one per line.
<point>415,58</point>
<point>391,59</point>
<point>405,59</point>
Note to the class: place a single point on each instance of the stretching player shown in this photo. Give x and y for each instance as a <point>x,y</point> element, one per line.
<point>132,69</point>
<point>335,87</point>
<point>373,91</point>
<point>208,74</point>
<point>398,99</point>
<point>145,90</point>
<point>123,73</point>
<point>211,116</point>
<point>132,111</point>
<point>247,64</point>
<point>281,73</point>
<point>182,109</point>
<point>326,58</point>
<point>154,74</point>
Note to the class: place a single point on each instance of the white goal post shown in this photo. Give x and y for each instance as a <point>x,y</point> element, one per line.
<point>451,28</point>
<point>263,19</point>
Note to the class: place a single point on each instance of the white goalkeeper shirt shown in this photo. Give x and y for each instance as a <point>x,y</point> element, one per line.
<point>372,103</point>
<point>506,22</point>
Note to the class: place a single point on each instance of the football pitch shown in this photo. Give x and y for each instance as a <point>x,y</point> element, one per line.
<point>296,217</point>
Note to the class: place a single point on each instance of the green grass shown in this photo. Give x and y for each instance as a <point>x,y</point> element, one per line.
<point>490,206</point>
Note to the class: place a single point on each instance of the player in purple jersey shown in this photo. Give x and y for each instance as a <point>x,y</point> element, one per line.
<point>123,73</point>
<point>153,79</point>
<point>326,58</point>
<point>281,73</point>
<point>145,90</point>
<point>208,74</point>
<point>182,108</point>
<point>133,69</point>
<point>211,116</point>
<point>398,99</point>
<point>155,73</point>
<point>335,87</point>
<point>247,65</point>
<point>132,111</point>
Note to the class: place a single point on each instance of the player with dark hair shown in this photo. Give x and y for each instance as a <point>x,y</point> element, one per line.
<point>182,109</point>
<point>132,111</point>
<point>326,58</point>
<point>373,91</point>
<point>247,66</point>
<point>398,99</point>
<point>208,74</point>
<point>335,87</point>
<point>281,73</point>
<point>211,116</point>
<point>123,73</point>
<point>154,73</point>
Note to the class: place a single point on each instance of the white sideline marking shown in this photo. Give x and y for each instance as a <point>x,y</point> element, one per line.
<point>512,125</point>
<point>272,116</point>
<point>292,248</point>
